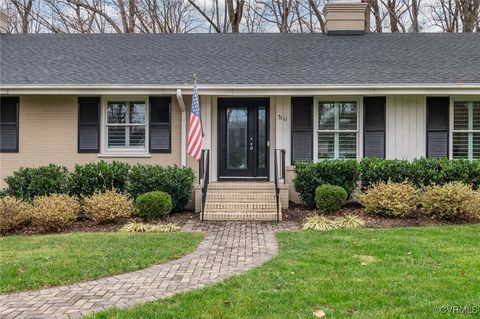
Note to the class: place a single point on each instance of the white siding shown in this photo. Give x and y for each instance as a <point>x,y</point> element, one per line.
<point>282,120</point>
<point>406,127</point>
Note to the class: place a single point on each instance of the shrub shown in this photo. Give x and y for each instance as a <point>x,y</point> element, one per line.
<point>475,204</point>
<point>319,223</point>
<point>107,206</point>
<point>87,179</point>
<point>390,199</point>
<point>421,172</point>
<point>349,222</point>
<point>310,175</point>
<point>134,227</point>
<point>174,180</point>
<point>54,211</point>
<point>153,204</point>
<point>26,183</point>
<point>330,198</point>
<point>449,201</point>
<point>375,170</point>
<point>13,213</point>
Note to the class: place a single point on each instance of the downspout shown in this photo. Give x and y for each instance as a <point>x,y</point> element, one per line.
<point>183,129</point>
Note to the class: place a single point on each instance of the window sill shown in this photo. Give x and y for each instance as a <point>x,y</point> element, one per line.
<point>123,155</point>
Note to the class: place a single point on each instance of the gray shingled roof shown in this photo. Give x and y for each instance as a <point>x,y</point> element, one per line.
<point>169,59</point>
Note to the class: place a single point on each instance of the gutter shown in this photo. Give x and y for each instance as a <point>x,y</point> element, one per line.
<point>183,129</point>
<point>248,90</point>
<point>244,86</point>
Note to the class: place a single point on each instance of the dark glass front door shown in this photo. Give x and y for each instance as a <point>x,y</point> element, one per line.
<point>243,138</point>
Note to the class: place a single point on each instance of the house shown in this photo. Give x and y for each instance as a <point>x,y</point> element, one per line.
<point>77,98</point>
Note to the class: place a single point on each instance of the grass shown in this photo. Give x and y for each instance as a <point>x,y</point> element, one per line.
<point>30,262</point>
<point>368,273</point>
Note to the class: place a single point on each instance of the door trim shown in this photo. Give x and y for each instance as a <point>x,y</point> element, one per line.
<point>222,103</point>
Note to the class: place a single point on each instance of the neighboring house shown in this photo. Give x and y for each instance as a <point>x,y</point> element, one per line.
<point>71,98</point>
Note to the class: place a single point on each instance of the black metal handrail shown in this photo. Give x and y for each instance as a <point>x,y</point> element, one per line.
<point>204,173</point>
<point>279,174</point>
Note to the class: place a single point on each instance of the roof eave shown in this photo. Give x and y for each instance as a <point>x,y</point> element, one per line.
<point>250,89</point>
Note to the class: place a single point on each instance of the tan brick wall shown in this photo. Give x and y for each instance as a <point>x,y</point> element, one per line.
<point>48,134</point>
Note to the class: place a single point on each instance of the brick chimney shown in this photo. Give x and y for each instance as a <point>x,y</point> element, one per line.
<point>3,22</point>
<point>345,17</point>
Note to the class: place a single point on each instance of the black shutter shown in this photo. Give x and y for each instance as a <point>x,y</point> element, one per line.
<point>89,124</point>
<point>437,126</point>
<point>160,118</point>
<point>302,128</point>
<point>374,126</point>
<point>9,124</point>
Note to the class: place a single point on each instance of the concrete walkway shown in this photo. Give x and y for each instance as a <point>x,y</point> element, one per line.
<point>229,248</point>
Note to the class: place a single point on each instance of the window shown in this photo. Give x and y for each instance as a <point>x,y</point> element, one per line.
<point>9,124</point>
<point>337,130</point>
<point>466,130</point>
<point>126,125</point>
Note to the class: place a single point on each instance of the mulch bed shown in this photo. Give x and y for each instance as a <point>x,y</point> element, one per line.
<point>298,213</point>
<point>89,226</point>
<point>295,213</point>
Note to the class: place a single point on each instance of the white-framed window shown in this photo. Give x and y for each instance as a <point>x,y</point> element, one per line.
<point>336,129</point>
<point>125,129</point>
<point>466,130</point>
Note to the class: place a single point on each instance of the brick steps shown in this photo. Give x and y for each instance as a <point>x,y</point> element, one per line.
<point>241,201</point>
<point>243,216</point>
<point>239,186</point>
<point>240,197</point>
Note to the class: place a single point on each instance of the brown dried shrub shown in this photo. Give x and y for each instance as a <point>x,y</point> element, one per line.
<point>13,213</point>
<point>54,211</point>
<point>107,206</point>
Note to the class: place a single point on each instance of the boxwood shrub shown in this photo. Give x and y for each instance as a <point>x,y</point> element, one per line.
<point>86,179</point>
<point>153,204</point>
<point>310,175</point>
<point>26,183</point>
<point>174,180</point>
<point>330,198</point>
<point>421,172</point>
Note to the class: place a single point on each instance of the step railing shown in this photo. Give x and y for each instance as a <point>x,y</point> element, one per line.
<point>204,179</point>
<point>279,171</point>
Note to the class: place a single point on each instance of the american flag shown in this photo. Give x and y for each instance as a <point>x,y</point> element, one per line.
<point>195,130</point>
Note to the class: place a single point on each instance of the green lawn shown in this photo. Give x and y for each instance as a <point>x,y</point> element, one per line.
<point>30,262</point>
<point>369,273</point>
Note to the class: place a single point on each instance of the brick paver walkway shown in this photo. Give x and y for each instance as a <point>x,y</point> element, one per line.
<point>229,248</point>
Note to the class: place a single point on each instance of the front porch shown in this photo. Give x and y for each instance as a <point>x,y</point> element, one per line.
<point>228,200</point>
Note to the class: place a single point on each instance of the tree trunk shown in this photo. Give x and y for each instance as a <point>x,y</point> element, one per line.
<point>377,15</point>
<point>391,7</point>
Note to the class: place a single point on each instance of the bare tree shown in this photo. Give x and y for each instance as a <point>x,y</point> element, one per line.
<point>228,20</point>
<point>70,18</point>
<point>126,16</point>
<point>318,14</point>
<point>24,10</point>
<point>377,14</point>
<point>469,12</point>
<point>169,16</point>
<point>235,13</point>
<point>277,12</point>
<point>444,14</point>
<point>254,23</point>
<point>414,12</point>
<point>98,8</point>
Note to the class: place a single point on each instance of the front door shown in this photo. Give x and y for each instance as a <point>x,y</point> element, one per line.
<point>243,138</point>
